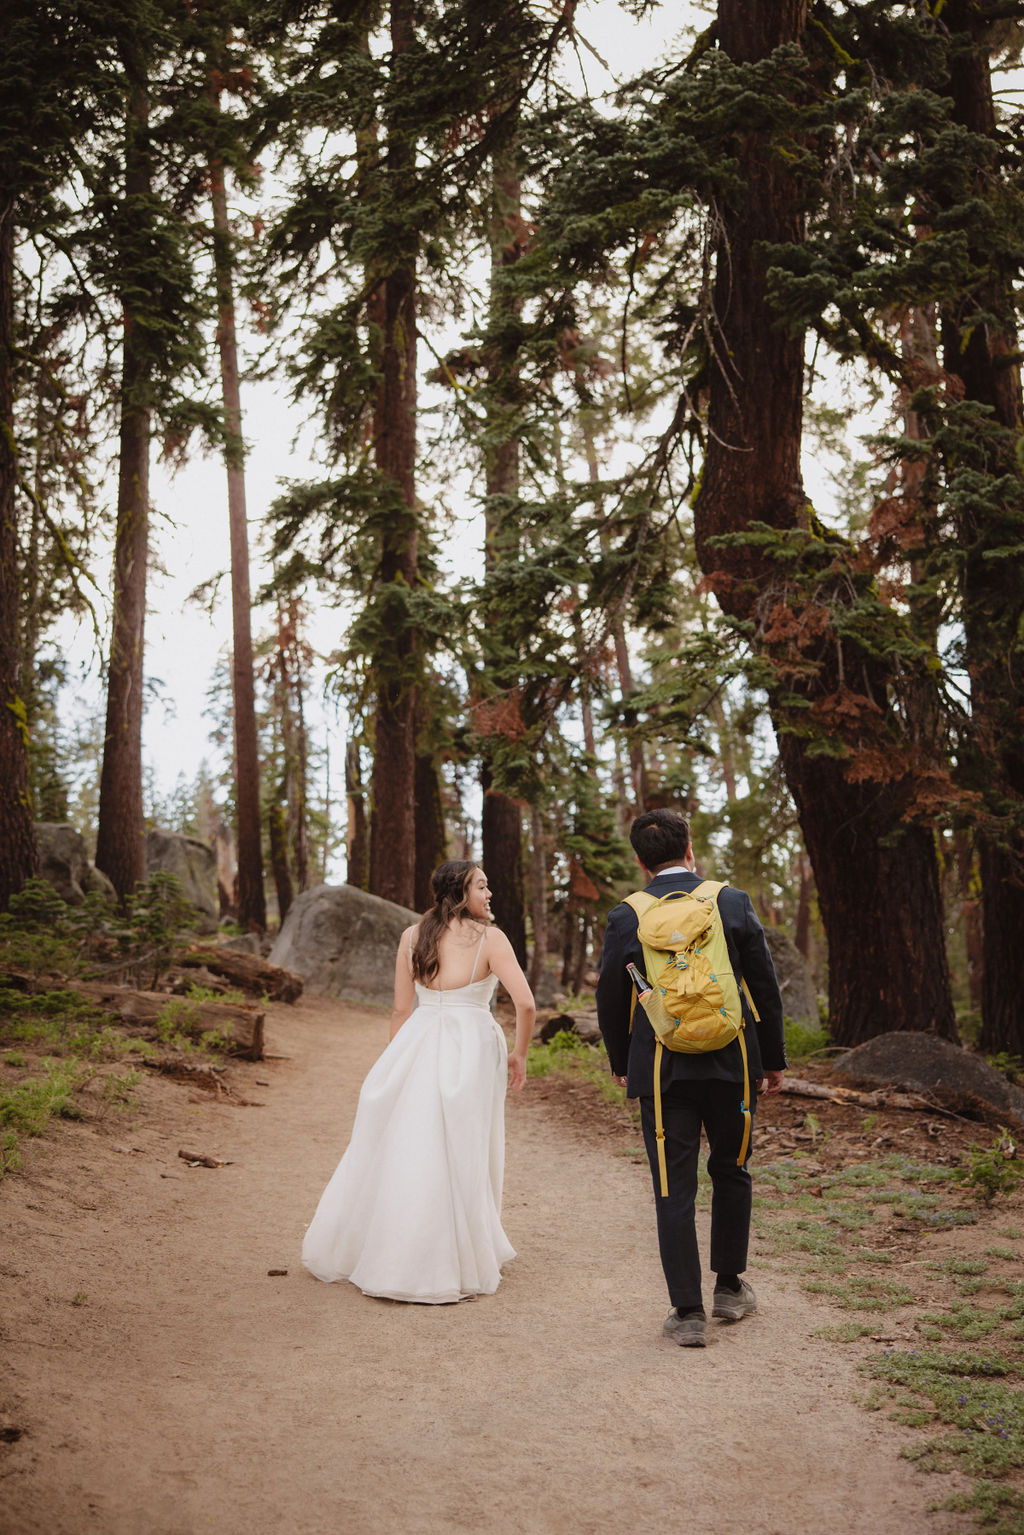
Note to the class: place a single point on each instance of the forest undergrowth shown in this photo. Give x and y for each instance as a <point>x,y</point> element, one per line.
<point>912,1226</point>
<point>64,1054</point>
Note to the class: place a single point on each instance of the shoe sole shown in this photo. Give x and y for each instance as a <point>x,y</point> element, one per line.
<point>687,1339</point>
<point>733,1313</point>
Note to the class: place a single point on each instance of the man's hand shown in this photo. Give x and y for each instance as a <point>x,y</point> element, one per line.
<point>620,1080</point>
<point>770,1083</point>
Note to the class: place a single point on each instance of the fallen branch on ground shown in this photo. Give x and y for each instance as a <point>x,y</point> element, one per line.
<point>883,1098</point>
<point>197,1159</point>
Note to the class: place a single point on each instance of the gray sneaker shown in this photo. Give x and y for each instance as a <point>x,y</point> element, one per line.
<point>732,1307</point>
<point>689,1330</point>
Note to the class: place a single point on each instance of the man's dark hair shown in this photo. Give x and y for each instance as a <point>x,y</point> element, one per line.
<point>660,836</point>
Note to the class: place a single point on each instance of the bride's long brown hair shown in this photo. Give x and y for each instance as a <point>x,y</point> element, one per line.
<point>449,885</point>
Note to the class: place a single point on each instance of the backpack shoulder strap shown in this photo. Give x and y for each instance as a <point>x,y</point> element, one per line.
<point>640,901</point>
<point>714,889</point>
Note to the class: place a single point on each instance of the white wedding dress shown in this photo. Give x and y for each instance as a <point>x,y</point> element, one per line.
<point>413,1211</point>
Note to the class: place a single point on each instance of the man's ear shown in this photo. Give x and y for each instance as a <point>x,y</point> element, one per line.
<point>643,866</point>
<point>689,860</point>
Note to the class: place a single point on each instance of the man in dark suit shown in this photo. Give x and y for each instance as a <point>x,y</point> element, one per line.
<point>696,1090</point>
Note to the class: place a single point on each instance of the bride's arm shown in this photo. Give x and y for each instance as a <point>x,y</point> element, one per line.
<point>502,960</point>
<point>405,992</point>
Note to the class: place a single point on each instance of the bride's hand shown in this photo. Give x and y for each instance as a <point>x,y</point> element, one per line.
<point>516,1070</point>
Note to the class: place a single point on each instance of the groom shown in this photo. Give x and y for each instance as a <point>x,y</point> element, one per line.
<point>696,1090</point>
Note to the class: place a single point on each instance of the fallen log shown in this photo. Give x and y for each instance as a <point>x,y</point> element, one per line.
<point>247,971</point>
<point>241,1027</point>
<point>882,1098</point>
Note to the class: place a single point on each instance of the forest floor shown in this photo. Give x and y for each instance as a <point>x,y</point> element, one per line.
<point>170,1368</point>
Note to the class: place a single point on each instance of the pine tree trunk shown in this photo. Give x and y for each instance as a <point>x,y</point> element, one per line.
<point>357,841</point>
<point>298,797</point>
<point>430,828</point>
<point>538,898</point>
<point>980,347</point>
<point>501,828</point>
<point>120,839</point>
<point>19,857</point>
<point>279,866</point>
<point>880,902</point>
<point>252,906</point>
<point>502,836</point>
<point>637,761</point>
<point>393,779</point>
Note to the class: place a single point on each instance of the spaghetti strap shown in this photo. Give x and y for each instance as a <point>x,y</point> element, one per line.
<point>476,956</point>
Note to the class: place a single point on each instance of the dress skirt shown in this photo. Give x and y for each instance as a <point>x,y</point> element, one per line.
<point>413,1211</point>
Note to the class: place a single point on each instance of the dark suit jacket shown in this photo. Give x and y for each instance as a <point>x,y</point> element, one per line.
<point>632,1055</point>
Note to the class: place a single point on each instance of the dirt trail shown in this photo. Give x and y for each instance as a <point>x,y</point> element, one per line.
<point>187,1390</point>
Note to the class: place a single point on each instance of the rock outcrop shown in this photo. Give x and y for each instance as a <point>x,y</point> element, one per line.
<point>63,863</point>
<point>924,1063</point>
<point>194,864</point>
<point>342,942</point>
<point>799,999</point>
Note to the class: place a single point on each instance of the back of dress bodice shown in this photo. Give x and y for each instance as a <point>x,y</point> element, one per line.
<point>476,994</point>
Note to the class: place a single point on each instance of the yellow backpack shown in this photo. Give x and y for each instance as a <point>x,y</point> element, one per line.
<point>693,1003</point>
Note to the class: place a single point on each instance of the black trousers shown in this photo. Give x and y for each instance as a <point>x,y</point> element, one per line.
<point>686,1107</point>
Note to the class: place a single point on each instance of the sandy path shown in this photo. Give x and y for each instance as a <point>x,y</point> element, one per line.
<point>192,1392</point>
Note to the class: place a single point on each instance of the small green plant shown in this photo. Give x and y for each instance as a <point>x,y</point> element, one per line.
<point>36,936</point>
<point>177,1027</point>
<point>956,1266</point>
<point>10,1157</point>
<point>994,1170</point>
<point>988,1501</point>
<point>159,916</point>
<point>118,1092</point>
<point>846,1332</point>
<point>26,1108</point>
<point>560,1051</point>
<point>229,995</point>
<point>1011,1066</point>
<point>965,1392</point>
<point>567,1054</point>
<point>814,1125</point>
<point>863,1293</point>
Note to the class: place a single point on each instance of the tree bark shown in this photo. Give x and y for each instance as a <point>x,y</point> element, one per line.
<point>879,898</point>
<point>538,898</point>
<point>120,840</point>
<point>430,828</point>
<point>502,835</point>
<point>19,857</point>
<point>279,865</point>
<point>393,778</point>
<point>252,905</point>
<point>980,347</point>
<point>501,828</point>
<point>357,842</point>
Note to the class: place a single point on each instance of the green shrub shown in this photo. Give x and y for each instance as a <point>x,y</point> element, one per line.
<point>803,1040</point>
<point>26,1107</point>
<point>994,1170</point>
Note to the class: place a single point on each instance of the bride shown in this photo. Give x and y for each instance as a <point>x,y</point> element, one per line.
<point>413,1211</point>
